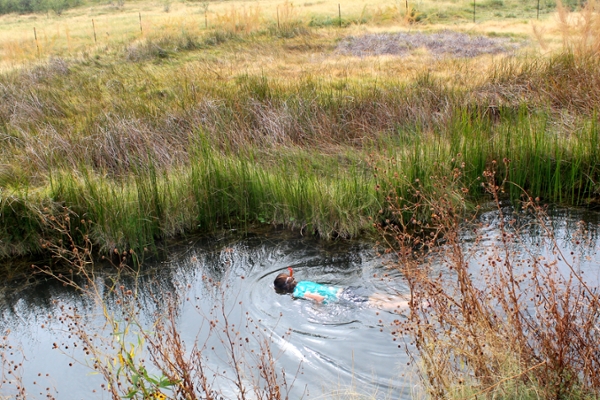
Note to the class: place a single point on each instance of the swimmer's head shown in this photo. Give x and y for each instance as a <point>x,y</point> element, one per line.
<point>285,283</point>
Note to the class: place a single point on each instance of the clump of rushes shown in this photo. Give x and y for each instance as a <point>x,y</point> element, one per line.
<point>217,191</point>
<point>328,194</point>
<point>510,326</point>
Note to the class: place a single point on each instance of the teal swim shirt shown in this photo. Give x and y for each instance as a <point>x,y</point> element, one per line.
<point>329,292</point>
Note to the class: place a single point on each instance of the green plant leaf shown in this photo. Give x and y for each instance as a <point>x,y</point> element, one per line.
<point>131,394</point>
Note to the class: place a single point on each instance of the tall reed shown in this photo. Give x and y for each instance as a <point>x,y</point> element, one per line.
<point>329,195</point>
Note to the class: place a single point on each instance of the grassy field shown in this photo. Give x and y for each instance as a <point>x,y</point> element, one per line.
<point>90,29</point>
<point>129,123</point>
<point>155,120</point>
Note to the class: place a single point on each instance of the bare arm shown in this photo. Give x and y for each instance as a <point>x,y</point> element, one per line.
<point>313,296</point>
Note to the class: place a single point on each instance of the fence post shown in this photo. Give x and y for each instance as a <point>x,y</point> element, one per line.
<point>94,26</point>
<point>278,26</point>
<point>141,30</point>
<point>474,11</point>
<point>340,13</point>
<point>37,44</point>
<point>538,9</point>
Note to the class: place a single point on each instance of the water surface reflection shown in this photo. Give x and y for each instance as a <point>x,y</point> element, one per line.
<point>327,348</point>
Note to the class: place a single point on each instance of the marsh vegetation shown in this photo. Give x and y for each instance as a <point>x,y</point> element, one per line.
<point>132,124</point>
<point>190,129</point>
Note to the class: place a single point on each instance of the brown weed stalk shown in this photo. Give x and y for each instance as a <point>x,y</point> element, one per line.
<point>509,321</point>
<point>125,349</point>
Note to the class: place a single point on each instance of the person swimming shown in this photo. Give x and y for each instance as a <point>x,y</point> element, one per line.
<point>325,294</point>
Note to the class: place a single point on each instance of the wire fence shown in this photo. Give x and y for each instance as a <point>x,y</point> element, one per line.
<point>46,41</point>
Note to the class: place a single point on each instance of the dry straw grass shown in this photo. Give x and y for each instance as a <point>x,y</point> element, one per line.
<point>92,29</point>
<point>515,325</point>
<point>580,32</point>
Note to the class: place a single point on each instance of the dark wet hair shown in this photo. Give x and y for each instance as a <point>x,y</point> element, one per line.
<point>284,283</point>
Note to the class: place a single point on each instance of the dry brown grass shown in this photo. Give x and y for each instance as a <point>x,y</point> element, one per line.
<point>580,32</point>
<point>142,359</point>
<point>514,324</point>
<point>72,34</point>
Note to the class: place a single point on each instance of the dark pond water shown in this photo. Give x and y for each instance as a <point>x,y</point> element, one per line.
<point>328,351</point>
